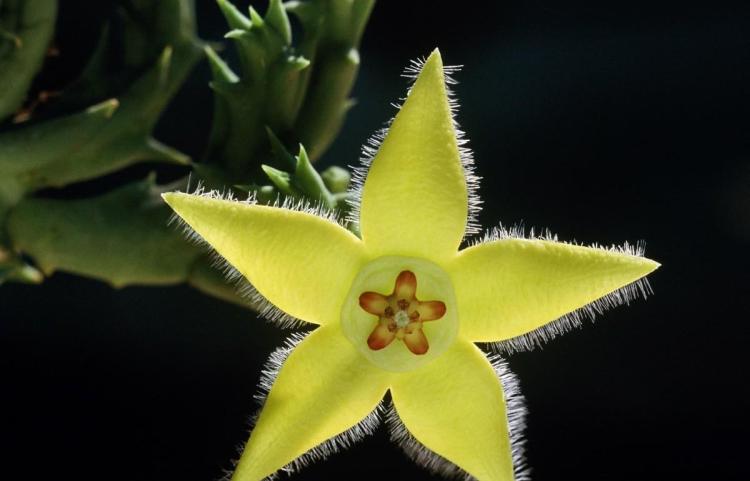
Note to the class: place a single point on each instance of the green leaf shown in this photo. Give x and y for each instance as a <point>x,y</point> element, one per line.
<point>120,237</point>
<point>25,152</point>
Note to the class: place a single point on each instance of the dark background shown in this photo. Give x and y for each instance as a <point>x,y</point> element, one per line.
<point>622,121</point>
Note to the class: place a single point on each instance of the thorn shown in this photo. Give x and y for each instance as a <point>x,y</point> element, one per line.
<point>255,18</point>
<point>298,63</point>
<point>235,19</point>
<point>219,68</point>
<point>280,151</point>
<point>235,34</point>
<point>277,18</point>
<point>221,87</point>
<point>307,179</point>
<point>302,157</point>
<point>11,37</point>
<point>157,151</point>
<point>165,60</point>
<point>279,178</point>
<point>106,109</point>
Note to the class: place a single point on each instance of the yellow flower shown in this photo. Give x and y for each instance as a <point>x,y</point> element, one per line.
<point>400,308</point>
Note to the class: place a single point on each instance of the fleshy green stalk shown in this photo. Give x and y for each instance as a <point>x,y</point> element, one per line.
<point>300,92</point>
<point>26,29</point>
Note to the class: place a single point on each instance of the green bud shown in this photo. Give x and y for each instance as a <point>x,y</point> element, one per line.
<point>336,179</point>
<point>266,194</point>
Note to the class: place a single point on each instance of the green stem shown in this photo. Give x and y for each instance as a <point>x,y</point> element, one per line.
<point>29,25</point>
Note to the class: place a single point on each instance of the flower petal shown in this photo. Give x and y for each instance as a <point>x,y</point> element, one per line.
<point>455,406</point>
<point>324,388</point>
<point>415,200</point>
<point>300,262</point>
<point>406,285</point>
<point>373,303</point>
<point>509,287</point>
<point>431,310</point>
<point>381,336</point>
<point>416,341</point>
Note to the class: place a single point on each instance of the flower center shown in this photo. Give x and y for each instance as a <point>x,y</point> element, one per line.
<point>386,318</point>
<point>400,315</point>
<point>401,318</point>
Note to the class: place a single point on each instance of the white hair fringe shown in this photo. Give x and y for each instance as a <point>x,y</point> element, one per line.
<point>399,434</point>
<point>575,319</point>
<point>344,440</point>
<point>372,145</point>
<point>245,290</point>
<point>515,413</point>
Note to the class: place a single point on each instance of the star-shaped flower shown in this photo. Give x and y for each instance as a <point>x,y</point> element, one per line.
<point>452,406</point>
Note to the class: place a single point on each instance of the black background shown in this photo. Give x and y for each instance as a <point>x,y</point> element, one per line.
<point>621,121</point>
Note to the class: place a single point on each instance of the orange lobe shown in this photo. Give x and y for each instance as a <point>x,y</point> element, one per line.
<point>381,336</point>
<point>406,285</point>
<point>373,303</point>
<point>416,341</point>
<point>431,310</point>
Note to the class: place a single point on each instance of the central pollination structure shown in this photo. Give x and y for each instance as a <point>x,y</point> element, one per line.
<point>400,307</point>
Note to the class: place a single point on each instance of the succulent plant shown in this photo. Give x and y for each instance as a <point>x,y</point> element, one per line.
<point>285,95</point>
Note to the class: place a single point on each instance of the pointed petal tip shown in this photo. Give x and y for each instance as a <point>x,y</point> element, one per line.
<point>638,266</point>
<point>431,76</point>
<point>651,264</point>
<point>434,60</point>
<point>644,265</point>
<point>173,198</point>
<point>421,141</point>
<point>168,197</point>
